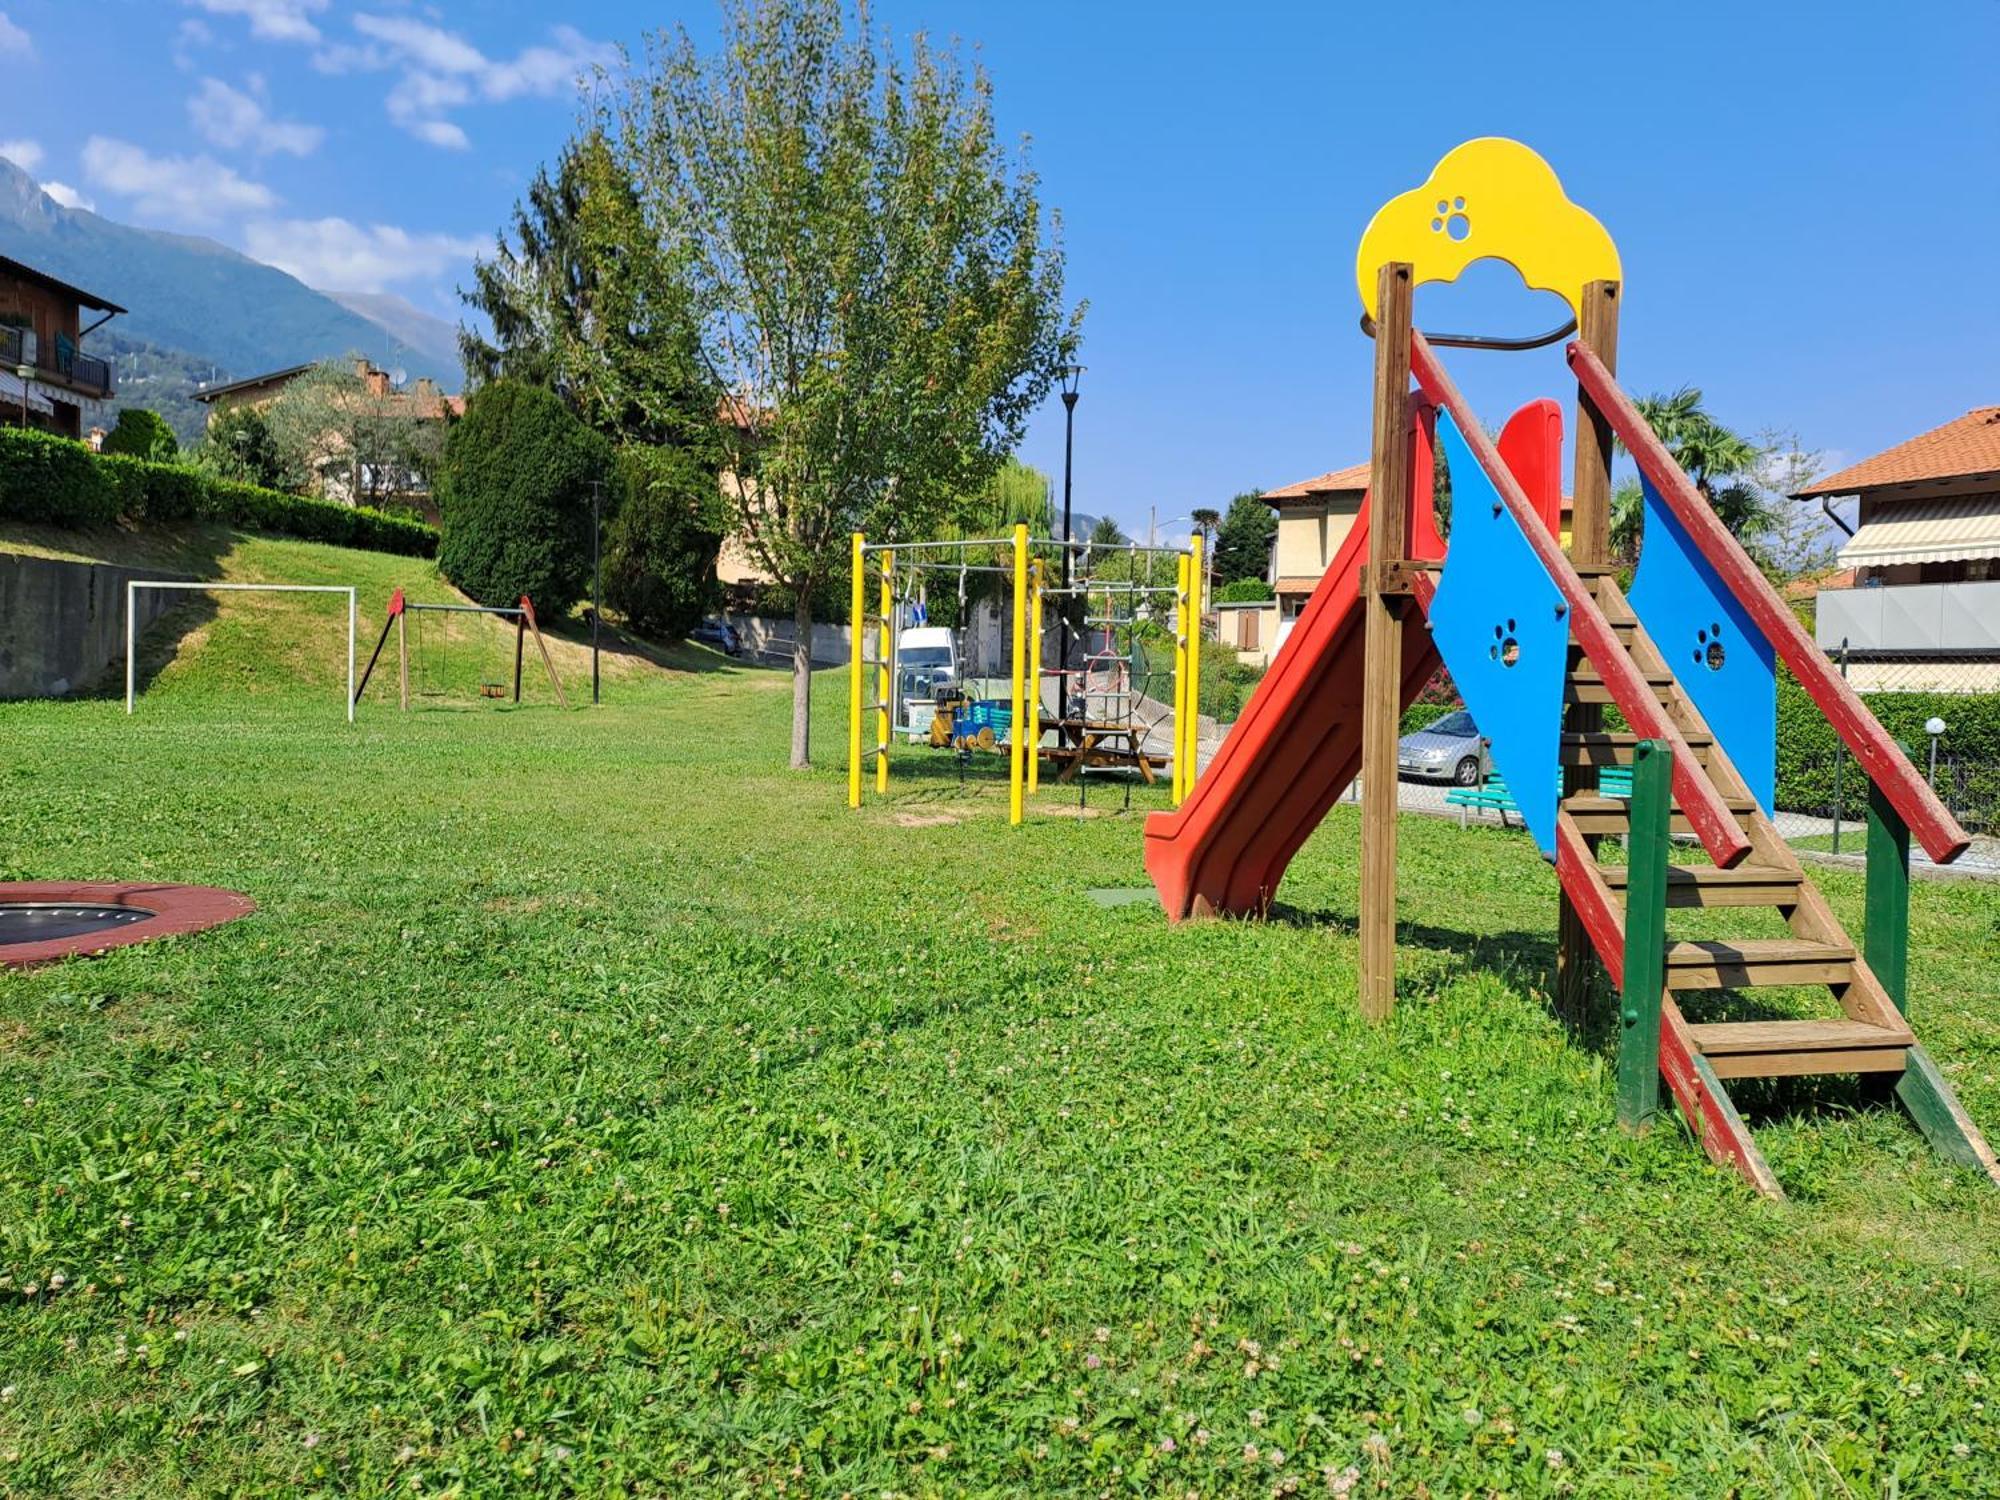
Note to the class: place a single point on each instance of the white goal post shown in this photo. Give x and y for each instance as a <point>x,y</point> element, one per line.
<point>132,619</point>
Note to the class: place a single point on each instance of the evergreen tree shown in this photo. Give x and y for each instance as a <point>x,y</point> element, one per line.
<point>1243,540</point>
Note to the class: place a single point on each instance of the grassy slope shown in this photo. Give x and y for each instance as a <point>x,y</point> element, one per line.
<point>594,1106</point>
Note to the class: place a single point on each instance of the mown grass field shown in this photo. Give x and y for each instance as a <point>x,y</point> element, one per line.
<point>595,1107</point>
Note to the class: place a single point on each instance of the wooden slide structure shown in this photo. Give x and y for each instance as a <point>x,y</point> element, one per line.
<point>1542,642</point>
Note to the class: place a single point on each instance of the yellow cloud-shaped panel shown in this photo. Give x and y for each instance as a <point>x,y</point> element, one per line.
<point>1489,199</point>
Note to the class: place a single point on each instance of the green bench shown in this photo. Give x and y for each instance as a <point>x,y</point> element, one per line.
<point>1491,795</point>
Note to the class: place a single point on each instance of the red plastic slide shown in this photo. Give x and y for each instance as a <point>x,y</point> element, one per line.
<point>1292,753</point>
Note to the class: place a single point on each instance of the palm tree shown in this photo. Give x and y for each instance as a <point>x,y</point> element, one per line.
<point>1720,463</point>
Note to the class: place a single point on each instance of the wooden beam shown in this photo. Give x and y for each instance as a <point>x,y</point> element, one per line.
<point>1382,650</point>
<point>548,665</point>
<point>1590,547</point>
<point>1644,979</point>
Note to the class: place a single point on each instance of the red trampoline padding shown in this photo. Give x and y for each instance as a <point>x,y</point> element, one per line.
<point>135,912</point>
<point>1293,752</point>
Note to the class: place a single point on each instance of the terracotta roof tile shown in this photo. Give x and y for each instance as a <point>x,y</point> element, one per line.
<point>1968,446</point>
<point>1353,477</point>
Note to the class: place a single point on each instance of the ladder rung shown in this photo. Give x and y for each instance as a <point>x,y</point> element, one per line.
<point>1750,962</point>
<point>1704,885</point>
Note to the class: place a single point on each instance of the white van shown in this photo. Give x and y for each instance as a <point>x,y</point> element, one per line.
<point>926,666</point>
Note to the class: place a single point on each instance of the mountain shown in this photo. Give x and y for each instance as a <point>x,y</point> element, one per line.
<point>408,324</point>
<point>200,299</point>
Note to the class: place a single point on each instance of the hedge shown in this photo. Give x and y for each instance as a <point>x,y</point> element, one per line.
<point>53,480</point>
<point>1971,744</point>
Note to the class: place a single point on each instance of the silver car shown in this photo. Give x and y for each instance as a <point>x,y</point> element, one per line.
<point>1449,749</point>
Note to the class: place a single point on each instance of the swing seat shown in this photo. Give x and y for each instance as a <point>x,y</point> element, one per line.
<point>492,690</point>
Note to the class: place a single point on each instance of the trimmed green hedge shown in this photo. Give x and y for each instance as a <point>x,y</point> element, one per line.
<point>1806,745</point>
<point>53,480</point>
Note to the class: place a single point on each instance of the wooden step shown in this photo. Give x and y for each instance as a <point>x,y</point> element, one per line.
<point>1595,814</point>
<point>1783,1049</point>
<point>1585,685</point>
<point>1704,885</point>
<point>1746,963</point>
<point>1605,749</point>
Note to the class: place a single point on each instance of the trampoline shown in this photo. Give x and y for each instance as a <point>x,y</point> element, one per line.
<point>48,920</point>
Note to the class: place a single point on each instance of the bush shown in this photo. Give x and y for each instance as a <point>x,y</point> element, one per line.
<point>48,478</point>
<point>1245,591</point>
<point>239,446</point>
<point>140,433</point>
<point>1807,743</point>
<point>514,490</point>
<point>660,548</point>
<point>53,480</point>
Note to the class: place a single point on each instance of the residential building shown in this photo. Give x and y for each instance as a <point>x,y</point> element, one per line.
<point>46,380</point>
<point>1314,518</point>
<point>1923,610</point>
<point>339,477</point>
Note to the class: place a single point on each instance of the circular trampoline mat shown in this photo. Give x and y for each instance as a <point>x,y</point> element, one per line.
<point>41,922</point>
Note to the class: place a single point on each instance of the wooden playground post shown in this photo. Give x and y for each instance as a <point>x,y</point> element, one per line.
<point>1590,542</point>
<point>856,648</point>
<point>1382,684</point>
<point>527,618</point>
<point>1645,971</point>
<point>403,657</point>
<point>884,683</point>
<point>520,640</point>
<point>1017,734</point>
<point>1885,932</point>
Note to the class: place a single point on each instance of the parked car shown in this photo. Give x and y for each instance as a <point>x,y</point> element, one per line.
<point>1448,749</point>
<point>717,633</point>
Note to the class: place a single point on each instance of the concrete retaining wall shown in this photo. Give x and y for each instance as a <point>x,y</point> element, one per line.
<point>62,624</point>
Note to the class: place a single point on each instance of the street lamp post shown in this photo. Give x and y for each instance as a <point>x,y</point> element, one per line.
<point>24,372</point>
<point>1072,373</point>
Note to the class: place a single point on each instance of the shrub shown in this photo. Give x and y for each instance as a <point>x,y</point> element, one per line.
<point>1807,743</point>
<point>239,446</point>
<point>140,433</point>
<point>51,479</point>
<point>48,478</point>
<point>660,549</point>
<point>514,490</point>
<point>1245,591</point>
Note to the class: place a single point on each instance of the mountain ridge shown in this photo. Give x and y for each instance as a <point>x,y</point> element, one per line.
<point>196,296</point>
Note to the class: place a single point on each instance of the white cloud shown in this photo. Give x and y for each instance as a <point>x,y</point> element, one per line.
<point>190,37</point>
<point>25,154</point>
<point>192,190</point>
<point>13,39</point>
<point>231,118</point>
<point>347,257</point>
<point>273,20</point>
<point>441,70</point>
<point>68,196</point>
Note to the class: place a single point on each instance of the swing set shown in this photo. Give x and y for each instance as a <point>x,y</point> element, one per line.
<point>432,656</point>
<point>1099,604</point>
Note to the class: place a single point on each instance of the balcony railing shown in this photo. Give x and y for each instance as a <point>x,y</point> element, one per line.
<point>57,361</point>
<point>1912,618</point>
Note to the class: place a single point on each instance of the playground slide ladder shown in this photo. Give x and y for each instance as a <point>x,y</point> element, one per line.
<point>1865,1029</point>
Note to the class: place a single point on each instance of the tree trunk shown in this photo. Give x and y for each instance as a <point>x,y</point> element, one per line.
<point>802,628</point>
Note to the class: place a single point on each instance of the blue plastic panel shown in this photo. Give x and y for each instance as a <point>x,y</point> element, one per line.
<point>1503,631</point>
<point>1712,646</point>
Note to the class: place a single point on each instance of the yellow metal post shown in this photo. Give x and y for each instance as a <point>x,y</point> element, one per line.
<point>1017,735</point>
<point>857,644</point>
<point>1035,678</point>
<point>1179,770</point>
<point>1194,666</point>
<point>884,690</point>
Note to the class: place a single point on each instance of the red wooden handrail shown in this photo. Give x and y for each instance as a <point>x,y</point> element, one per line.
<point>1711,821</point>
<point>1936,829</point>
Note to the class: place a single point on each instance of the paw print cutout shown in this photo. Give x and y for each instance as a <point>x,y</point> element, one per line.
<point>1451,219</point>
<point>1506,649</point>
<point>1708,650</point>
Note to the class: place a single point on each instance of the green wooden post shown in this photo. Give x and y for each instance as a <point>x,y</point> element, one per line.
<point>1886,935</point>
<point>1645,972</point>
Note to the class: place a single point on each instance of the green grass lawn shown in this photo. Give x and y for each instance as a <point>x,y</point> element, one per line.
<point>593,1106</point>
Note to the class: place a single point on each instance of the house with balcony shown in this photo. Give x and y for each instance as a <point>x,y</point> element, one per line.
<point>1314,518</point>
<point>46,380</point>
<point>1923,611</point>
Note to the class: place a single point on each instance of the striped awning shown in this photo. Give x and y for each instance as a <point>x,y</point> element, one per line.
<point>10,398</point>
<point>1918,531</point>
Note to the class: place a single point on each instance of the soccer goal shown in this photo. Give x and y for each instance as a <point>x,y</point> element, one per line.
<point>181,586</point>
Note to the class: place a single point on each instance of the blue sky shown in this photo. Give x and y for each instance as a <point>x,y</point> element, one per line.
<point>1802,195</point>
